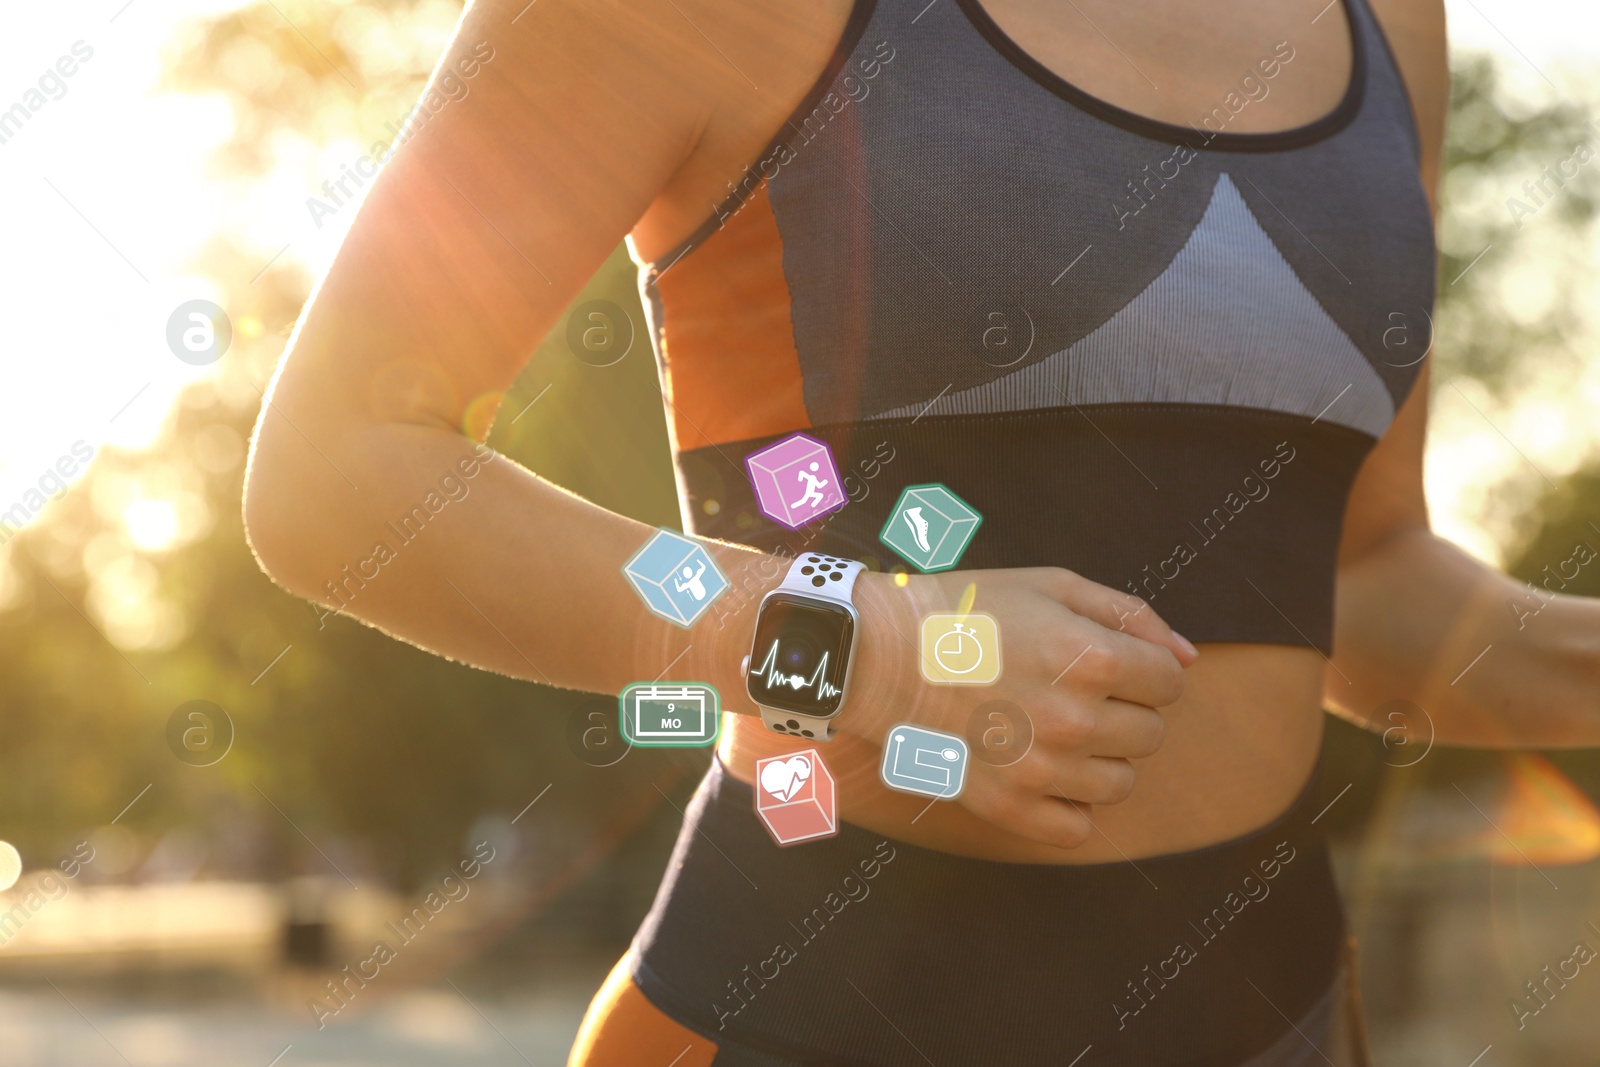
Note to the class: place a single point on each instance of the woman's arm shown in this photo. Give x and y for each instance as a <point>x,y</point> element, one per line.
<point>1417,618</point>
<point>367,490</point>
<point>477,234</point>
<point>1420,620</point>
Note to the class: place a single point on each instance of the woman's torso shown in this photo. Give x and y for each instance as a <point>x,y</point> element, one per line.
<point>1241,742</point>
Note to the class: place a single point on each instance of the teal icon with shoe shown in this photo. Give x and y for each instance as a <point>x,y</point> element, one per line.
<point>930,527</point>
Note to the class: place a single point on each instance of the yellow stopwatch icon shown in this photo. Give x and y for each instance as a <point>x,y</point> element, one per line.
<point>960,649</point>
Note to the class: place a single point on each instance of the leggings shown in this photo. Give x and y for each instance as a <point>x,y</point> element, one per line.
<point>623,1029</point>
<point>861,951</point>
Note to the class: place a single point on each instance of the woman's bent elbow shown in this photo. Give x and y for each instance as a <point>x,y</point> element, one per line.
<point>273,526</point>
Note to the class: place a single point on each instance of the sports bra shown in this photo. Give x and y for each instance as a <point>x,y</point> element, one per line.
<point>1154,354</point>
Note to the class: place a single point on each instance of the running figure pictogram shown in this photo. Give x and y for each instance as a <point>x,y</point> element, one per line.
<point>813,493</point>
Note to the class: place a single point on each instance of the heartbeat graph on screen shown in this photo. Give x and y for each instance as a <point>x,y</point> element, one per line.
<point>775,678</point>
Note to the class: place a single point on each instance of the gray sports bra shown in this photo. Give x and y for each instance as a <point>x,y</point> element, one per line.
<point>1155,354</point>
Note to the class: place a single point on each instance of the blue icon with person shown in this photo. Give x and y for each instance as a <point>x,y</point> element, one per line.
<point>675,577</point>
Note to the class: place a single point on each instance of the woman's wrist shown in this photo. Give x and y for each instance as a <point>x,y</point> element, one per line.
<point>720,642</point>
<point>883,662</point>
<point>885,657</point>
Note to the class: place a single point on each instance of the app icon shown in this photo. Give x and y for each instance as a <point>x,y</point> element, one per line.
<point>929,762</point>
<point>675,577</point>
<point>795,480</point>
<point>795,797</point>
<point>669,714</point>
<point>931,527</point>
<point>961,649</point>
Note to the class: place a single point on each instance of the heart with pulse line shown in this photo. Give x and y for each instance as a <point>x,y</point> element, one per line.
<point>784,778</point>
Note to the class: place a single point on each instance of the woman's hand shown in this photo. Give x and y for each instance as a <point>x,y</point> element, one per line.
<point>1083,664</point>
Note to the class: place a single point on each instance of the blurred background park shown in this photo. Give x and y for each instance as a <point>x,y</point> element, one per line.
<point>221,801</point>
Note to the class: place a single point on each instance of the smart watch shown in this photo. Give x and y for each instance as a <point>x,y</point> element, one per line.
<point>799,663</point>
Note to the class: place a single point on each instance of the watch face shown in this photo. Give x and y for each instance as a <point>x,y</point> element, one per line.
<point>800,654</point>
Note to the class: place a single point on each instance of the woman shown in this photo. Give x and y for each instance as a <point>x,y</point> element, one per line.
<point>1147,286</point>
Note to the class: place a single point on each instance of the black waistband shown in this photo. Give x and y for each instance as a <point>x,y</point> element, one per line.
<point>862,950</point>
<point>1225,552</point>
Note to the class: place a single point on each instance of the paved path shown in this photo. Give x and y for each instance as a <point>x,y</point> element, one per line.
<point>433,1026</point>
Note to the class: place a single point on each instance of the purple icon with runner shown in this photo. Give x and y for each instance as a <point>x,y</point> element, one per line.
<point>795,480</point>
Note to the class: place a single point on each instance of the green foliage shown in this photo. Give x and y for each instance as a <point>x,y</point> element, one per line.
<point>382,754</point>
<point>1490,151</point>
<point>354,735</point>
<point>1567,517</point>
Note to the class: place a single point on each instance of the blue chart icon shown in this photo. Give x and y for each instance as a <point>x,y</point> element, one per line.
<point>927,762</point>
<point>669,713</point>
<point>675,577</point>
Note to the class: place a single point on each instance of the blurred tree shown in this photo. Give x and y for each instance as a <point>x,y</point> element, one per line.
<point>1487,330</point>
<point>1559,547</point>
<point>383,755</point>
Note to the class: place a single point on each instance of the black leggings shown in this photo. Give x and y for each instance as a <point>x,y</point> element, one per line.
<point>861,950</point>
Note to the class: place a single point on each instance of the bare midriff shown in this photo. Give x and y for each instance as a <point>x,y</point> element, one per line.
<point>1239,747</point>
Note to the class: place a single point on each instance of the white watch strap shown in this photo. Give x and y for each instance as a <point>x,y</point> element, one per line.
<point>820,575</point>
